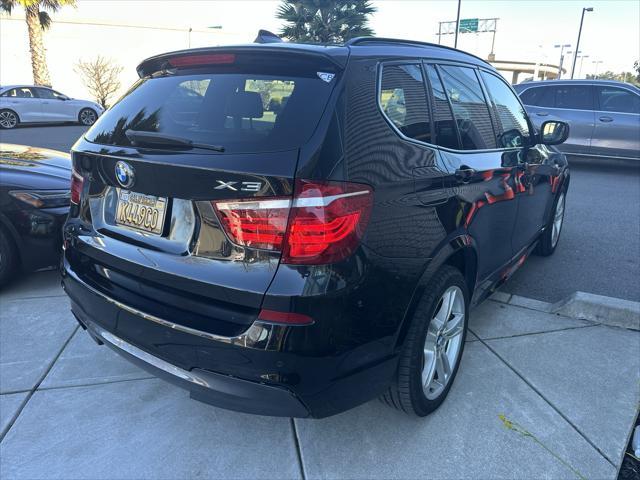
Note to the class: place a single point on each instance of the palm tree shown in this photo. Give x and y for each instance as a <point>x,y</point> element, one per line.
<point>325,21</point>
<point>38,19</point>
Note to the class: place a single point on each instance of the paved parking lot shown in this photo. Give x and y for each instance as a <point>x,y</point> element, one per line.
<point>71,409</point>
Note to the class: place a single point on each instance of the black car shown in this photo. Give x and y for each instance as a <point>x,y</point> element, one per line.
<point>34,202</point>
<point>310,229</point>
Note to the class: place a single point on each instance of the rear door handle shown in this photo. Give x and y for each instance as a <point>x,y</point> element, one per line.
<point>605,119</point>
<point>542,114</point>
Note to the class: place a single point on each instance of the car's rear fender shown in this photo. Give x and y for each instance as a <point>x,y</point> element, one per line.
<point>458,251</point>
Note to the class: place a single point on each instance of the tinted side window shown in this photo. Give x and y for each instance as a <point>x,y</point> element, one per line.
<point>404,102</point>
<point>613,99</point>
<point>446,135</point>
<point>512,119</point>
<point>469,107</point>
<point>538,97</point>
<point>45,93</point>
<point>578,97</point>
<point>21,92</point>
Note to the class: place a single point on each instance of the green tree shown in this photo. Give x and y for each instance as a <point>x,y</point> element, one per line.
<point>325,21</point>
<point>629,77</point>
<point>636,67</point>
<point>38,19</point>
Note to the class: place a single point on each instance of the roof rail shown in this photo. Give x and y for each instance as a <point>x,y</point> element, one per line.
<point>417,43</point>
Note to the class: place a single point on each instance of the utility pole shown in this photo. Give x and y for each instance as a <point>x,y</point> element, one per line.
<point>455,42</point>
<point>439,32</point>
<point>575,57</point>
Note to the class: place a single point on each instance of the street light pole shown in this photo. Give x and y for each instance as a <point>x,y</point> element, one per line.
<point>582,57</point>
<point>455,42</point>
<point>561,47</point>
<point>575,57</point>
<point>595,73</point>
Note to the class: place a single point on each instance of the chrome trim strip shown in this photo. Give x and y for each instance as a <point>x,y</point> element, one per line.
<point>147,357</point>
<point>256,332</point>
<point>253,204</point>
<point>600,156</point>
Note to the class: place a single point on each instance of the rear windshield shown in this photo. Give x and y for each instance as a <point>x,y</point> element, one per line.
<point>243,112</point>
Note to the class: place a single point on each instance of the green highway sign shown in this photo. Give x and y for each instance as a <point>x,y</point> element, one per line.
<point>468,25</point>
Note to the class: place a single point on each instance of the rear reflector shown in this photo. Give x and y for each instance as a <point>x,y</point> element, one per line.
<point>324,222</point>
<point>194,60</point>
<point>287,318</point>
<point>77,182</point>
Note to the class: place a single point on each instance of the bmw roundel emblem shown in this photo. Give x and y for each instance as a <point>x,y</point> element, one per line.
<point>125,174</point>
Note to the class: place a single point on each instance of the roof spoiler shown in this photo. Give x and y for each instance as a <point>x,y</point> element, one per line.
<point>265,36</point>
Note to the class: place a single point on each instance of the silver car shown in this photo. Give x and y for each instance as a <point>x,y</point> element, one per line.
<point>35,104</point>
<point>604,115</point>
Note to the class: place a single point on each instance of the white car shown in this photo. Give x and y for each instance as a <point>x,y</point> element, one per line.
<point>35,104</point>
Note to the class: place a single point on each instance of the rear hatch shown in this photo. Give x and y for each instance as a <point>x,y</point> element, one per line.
<point>159,177</point>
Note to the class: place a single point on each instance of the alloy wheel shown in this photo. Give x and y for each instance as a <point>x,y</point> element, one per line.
<point>443,342</point>
<point>8,119</point>
<point>558,218</point>
<point>88,117</point>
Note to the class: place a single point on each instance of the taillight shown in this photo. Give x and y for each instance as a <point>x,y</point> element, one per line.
<point>327,221</point>
<point>77,182</point>
<point>324,222</point>
<point>256,224</point>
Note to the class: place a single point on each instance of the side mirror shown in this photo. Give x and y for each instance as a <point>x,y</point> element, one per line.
<point>64,99</point>
<point>553,132</point>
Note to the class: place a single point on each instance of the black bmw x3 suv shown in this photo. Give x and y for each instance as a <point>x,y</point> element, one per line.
<point>293,230</point>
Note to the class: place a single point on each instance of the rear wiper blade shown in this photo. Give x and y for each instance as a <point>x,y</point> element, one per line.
<point>138,137</point>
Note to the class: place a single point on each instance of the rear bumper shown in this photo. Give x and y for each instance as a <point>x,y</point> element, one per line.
<point>297,385</point>
<point>208,387</point>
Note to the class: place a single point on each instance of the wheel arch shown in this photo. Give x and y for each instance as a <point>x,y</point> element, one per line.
<point>14,236</point>
<point>12,111</point>
<point>459,252</point>
<point>86,107</point>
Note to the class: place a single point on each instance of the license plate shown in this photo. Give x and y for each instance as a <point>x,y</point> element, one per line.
<point>141,212</point>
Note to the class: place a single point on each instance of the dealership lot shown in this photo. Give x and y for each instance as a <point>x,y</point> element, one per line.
<point>71,409</point>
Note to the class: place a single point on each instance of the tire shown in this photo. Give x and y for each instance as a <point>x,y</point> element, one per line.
<point>407,392</point>
<point>8,258</point>
<point>8,119</point>
<point>87,116</point>
<point>551,237</point>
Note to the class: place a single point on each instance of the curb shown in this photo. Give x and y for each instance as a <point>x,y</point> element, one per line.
<point>583,306</point>
<point>598,308</point>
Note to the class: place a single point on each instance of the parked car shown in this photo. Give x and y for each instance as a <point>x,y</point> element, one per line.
<point>604,115</point>
<point>34,202</point>
<point>306,261</point>
<point>34,104</point>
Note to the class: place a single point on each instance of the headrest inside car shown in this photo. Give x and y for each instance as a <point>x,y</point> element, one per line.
<point>245,105</point>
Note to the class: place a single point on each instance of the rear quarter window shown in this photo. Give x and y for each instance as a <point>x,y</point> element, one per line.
<point>403,101</point>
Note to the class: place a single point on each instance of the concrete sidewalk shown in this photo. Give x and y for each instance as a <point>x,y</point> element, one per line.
<point>568,388</point>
